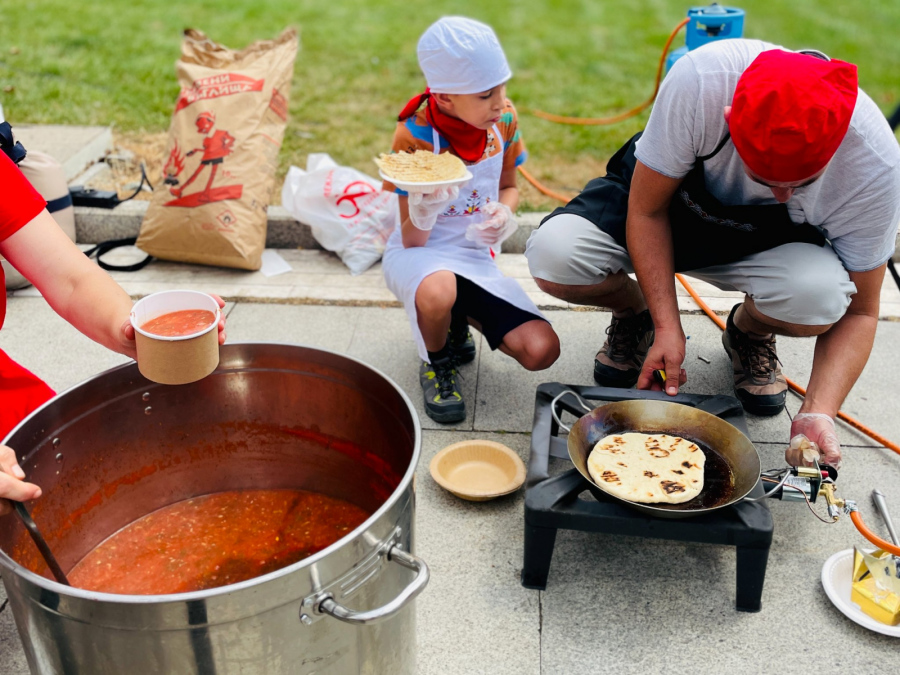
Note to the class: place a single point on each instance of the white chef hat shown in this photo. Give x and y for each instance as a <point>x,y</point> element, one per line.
<point>462,56</point>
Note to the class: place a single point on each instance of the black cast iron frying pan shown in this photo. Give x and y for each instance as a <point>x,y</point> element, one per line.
<point>732,462</point>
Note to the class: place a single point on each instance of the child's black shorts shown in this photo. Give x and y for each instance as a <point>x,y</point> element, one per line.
<point>497,317</point>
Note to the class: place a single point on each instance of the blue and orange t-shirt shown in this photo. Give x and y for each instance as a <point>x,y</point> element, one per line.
<point>415,133</point>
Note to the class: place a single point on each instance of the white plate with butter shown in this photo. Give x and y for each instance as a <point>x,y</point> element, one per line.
<point>836,579</point>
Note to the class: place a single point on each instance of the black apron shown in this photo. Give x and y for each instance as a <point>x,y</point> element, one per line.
<point>705,232</point>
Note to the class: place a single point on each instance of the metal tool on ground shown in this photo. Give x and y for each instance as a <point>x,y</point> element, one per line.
<point>40,542</point>
<point>881,505</point>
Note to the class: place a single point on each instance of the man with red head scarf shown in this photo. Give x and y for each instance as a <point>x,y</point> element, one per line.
<point>761,170</point>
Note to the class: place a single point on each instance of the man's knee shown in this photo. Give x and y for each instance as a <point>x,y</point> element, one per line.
<point>817,300</point>
<point>549,252</point>
<point>569,250</point>
<point>813,293</point>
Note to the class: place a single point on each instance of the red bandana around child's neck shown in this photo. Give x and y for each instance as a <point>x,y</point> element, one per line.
<point>467,141</point>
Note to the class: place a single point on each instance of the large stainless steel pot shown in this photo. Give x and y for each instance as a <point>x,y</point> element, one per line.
<point>271,416</point>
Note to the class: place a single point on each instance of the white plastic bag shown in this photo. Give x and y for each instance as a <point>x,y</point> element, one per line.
<point>347,210</point>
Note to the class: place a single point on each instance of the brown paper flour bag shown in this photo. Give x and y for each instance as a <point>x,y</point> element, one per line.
<point>222,152</point>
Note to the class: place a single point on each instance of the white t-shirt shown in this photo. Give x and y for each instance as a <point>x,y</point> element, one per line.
<point>856,202</point>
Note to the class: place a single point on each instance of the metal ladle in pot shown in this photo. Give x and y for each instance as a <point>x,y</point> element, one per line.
<point>40,542</point>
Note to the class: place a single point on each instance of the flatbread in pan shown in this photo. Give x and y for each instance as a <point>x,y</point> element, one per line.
<point>648,468</point>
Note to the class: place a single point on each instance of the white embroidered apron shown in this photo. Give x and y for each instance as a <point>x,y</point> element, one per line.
<point>448,249</point>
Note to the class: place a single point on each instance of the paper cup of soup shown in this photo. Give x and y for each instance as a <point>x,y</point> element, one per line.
<point>176,336</point>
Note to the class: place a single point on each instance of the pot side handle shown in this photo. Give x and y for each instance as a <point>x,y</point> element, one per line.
<point>328,605</point>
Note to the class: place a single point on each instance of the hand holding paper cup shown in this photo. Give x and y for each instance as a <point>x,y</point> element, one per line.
<point>176,336</point>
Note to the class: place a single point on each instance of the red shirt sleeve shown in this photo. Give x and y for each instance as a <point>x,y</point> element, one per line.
<point>20,203</point>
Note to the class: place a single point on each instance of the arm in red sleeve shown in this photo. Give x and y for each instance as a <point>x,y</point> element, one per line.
<point>20,203</point>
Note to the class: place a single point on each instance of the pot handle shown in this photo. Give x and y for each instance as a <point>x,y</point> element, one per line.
<point>328,605</point>
<point>553,403</point>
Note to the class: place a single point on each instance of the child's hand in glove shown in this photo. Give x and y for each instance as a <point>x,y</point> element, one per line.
<point>425,208</point>
<point>496,228</point>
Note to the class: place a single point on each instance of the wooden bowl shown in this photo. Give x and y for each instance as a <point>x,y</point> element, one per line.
<point>478,470</point>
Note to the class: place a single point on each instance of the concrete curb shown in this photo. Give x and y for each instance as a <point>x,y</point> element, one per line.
<point>76,148</point>
<point>94,225</point>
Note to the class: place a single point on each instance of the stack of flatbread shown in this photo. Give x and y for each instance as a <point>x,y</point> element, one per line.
<point>421,166</point>
<point>648,468</point>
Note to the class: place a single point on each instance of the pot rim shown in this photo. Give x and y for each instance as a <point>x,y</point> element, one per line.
<point>8,563</point>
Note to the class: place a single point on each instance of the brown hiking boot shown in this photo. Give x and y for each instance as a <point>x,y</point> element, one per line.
<point>619,361</point>
<point>758,382</point>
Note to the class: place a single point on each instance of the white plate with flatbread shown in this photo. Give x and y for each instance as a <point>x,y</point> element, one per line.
<point>836,580</point>
<point>426,188</point>
<point>422,171</point>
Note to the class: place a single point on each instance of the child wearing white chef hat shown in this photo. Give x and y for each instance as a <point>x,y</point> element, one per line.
<point>440,262</point>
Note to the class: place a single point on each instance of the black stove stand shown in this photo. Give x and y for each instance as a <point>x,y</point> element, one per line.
<point>552,503</point>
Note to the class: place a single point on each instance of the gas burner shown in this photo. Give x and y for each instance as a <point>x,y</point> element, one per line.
<point>553,502</point>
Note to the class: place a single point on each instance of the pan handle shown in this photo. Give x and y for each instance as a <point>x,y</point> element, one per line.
<point>555,400</point>
<point>721,406</point>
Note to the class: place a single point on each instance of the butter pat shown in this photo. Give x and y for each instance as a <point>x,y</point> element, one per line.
<point>875,586</point>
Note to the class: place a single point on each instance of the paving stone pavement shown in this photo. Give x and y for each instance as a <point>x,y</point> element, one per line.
<point>612,604</point>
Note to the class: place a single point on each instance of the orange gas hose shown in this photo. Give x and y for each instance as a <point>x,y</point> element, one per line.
<point>871,536</point>
<point>793,385</point>
<point>545,190</point>
<point>588,121</point>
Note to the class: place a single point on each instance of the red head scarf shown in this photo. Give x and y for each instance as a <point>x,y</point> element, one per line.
<point>790,113</point>
<point>467,141</point>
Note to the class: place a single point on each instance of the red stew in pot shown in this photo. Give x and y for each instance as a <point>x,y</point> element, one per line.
<point>215,540</point>
<point>180,323</point>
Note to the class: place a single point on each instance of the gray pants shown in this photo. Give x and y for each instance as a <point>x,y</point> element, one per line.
<point>796,283</point>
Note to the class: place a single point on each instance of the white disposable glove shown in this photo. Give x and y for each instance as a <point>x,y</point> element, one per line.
<point>425,208</point>
<point>496,228</point>
<point>813,434</point>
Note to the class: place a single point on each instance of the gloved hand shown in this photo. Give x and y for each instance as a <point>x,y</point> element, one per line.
<point>818,428</point>
<point>496,228</point>
<point>425,208</point>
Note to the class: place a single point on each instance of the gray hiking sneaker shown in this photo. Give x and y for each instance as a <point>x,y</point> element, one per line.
<point>619,361</point>
<point>443,400</point>
<point>758,382</point>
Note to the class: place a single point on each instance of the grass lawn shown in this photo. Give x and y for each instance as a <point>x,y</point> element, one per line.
<point>105,62</point>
